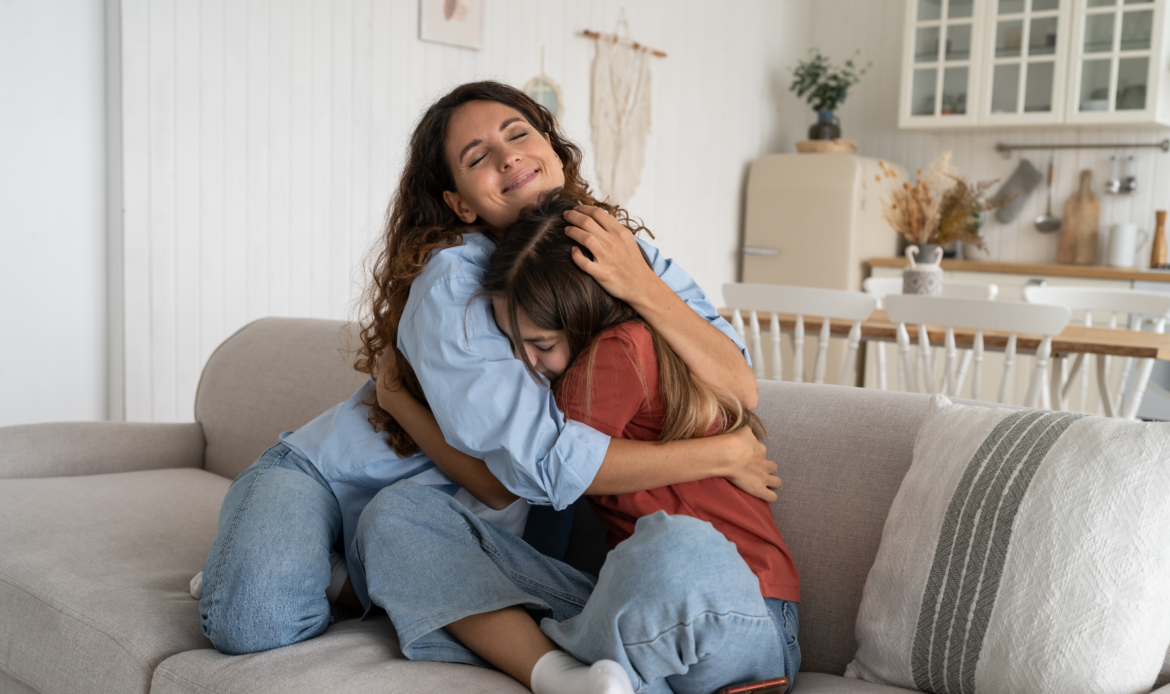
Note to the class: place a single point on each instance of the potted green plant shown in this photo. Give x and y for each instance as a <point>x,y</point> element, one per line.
<point>825,86</point>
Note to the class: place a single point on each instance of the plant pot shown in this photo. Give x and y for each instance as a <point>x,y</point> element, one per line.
<point>925,277</point>
<point>827,127</point>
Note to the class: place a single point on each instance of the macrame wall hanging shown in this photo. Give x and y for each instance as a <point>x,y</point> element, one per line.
<point>620,113</point>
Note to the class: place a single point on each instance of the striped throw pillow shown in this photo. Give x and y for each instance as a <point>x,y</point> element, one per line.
<point>1026,551</point>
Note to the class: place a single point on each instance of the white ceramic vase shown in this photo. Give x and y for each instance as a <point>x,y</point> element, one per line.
<point>923,277</point>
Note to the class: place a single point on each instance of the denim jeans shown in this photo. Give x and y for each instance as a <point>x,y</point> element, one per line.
<point>266,574</point>
<point>675,604</point>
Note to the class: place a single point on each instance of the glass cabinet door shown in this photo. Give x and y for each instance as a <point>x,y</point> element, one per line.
<point>941,80</point>
<point>1113,61</point>
<point>1026,54</point>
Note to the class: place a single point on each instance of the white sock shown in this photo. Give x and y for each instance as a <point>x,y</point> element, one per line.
<point>558,672</point>
<point>196,585</point>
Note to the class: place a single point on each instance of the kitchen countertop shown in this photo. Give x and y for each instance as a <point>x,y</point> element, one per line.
<point>1047,269</point>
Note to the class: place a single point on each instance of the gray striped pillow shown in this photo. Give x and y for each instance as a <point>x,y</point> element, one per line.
<point>1026,551</point>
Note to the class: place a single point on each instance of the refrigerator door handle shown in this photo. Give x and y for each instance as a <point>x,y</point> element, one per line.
<point>760,250</point>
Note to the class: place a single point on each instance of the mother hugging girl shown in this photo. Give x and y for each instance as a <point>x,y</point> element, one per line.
<point>700,591</point>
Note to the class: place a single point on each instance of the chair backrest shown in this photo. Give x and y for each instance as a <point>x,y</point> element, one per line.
<point>1011,317</point>
<point>1127,309</point>
<point>826,304</point>
<point>882,287</point>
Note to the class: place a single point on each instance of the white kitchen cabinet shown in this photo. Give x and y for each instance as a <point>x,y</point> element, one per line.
<point>1011,288</point>
<point>940,65</point>
<point>1034,62</point>
<point>1119,58</point>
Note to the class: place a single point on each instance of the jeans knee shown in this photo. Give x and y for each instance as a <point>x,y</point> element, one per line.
<point>674,549</point>
<point>396,508</point>
<point>239,626</point>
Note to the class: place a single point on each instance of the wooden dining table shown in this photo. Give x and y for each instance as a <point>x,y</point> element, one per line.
<point>1074,339</point>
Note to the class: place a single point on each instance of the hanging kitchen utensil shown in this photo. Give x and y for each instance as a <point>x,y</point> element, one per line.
<point>1048,222</point>
<point>1082,214</point>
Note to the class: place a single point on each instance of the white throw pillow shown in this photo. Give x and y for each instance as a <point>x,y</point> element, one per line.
<point>1026,551</point>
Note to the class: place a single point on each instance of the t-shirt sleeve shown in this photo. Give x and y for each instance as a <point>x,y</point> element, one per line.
<point>623,376</point>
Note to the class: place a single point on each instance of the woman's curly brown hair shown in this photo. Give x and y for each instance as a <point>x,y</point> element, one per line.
<point>419,223</point>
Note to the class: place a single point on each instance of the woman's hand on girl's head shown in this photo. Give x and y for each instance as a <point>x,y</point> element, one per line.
<point>748,465</point>
<point>618,264</point>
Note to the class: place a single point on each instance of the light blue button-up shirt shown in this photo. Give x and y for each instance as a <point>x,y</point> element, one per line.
<point>485,402</point>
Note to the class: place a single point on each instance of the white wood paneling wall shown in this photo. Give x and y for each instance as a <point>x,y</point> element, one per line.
<point>261,140</point>
<point>869,116</point>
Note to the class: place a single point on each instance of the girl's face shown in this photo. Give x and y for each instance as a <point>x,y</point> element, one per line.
<point>501,164</point>
<point>547,350</point>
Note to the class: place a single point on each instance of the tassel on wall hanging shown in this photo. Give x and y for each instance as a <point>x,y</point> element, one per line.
<point>620,113</point>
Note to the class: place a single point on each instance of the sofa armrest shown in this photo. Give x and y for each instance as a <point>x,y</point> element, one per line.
<point>64,449</point>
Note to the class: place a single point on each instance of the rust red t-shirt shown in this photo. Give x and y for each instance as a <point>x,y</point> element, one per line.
<point>616,404</point>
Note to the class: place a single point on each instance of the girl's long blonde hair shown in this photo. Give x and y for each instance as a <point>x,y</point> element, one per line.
<point>533,271</point>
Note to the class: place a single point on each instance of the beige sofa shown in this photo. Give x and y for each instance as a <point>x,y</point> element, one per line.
<point>103,524</point>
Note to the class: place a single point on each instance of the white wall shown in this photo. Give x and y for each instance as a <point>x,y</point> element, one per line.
<point>52,211</point>
<point>870,116</point>
<point>262,139</point>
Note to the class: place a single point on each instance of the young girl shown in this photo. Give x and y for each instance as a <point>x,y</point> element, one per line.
<point>610,370</point>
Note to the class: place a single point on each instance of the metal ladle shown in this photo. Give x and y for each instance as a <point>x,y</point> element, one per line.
<point>1048,222</point>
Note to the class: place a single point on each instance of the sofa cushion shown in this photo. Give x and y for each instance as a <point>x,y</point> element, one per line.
<point>94,575</point>
<point>272,375</point>
<point>351,656</point>
<point>842,453</point>
<point>1025,551</point>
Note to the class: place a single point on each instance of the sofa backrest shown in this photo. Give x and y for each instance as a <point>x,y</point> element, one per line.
<point>842,453</point>
<point>273,375</point>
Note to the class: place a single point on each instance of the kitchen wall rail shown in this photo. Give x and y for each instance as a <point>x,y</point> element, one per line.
<point>1006,149</point>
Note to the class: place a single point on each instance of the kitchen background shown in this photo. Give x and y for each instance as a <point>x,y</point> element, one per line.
<point>232,160</point>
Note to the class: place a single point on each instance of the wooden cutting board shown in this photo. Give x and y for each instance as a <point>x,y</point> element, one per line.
<point>1078,229</point>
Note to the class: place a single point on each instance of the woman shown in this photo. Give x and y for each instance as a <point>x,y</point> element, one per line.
<point>678,607</point>
<point>478,156</point>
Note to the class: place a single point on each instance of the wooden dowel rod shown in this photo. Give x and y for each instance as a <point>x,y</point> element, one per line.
<point>633,44</point>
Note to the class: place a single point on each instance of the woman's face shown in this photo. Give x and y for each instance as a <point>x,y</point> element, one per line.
<point>501,163</point>
<point>548,350</point>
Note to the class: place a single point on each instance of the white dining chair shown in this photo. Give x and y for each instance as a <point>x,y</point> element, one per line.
<point>826,304</point>
<point>880,287</point>
<point>1012,317</point>
<point>1127,309</point>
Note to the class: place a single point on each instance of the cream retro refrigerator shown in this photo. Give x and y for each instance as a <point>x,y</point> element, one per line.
<point>813,220</point>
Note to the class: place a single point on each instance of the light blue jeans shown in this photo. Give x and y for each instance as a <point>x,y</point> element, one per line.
<point>266,574</point>
<point>675,604</point>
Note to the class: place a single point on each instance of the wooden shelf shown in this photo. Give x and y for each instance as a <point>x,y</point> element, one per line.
<point>1043,269</point>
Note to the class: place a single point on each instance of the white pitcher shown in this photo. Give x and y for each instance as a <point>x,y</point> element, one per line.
<point>1123,244</point>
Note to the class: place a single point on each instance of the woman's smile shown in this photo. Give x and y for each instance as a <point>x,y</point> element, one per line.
<point>521,179</point>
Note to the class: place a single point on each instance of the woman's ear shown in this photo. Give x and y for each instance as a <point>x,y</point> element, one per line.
<point>462,211</point>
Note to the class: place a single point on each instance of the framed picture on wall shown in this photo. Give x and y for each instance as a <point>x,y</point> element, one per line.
<point>453,22</point>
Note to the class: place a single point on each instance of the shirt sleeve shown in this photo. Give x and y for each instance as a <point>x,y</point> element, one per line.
<point>487,404</point>
<point>621,384</point>
<point>692,294</point>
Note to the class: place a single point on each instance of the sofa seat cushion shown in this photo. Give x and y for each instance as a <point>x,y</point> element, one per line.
<point>94,575</point>
<point>351,656</point>
<point>820,683</point>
